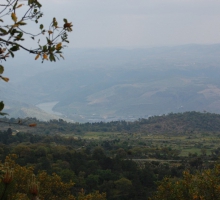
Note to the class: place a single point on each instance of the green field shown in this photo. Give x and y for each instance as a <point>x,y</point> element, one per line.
<point>199,144</point>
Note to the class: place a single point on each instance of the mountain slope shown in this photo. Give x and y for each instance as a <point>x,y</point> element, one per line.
<point>112,84</point>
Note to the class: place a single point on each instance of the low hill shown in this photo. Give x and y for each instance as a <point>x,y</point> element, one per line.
<point>187,123</point>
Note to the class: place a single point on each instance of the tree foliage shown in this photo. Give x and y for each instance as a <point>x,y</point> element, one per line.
<point>203,185</point>
<point>19,182</point>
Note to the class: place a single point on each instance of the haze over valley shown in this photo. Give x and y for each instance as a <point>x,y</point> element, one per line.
<point>115,84</point>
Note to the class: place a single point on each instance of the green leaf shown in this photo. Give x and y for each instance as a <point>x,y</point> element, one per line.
<point>22,23</point>
<point>48,41</point>
<point>13,31</point>
<point>3,31</point>
<point>53,48</point>
<point>12,55</point>
<point>1,108</point>
<point>30,2</point>
<point>38,4</point>
<point>14,48</point>
<point>15,5</point>
<point>41,26</point>
<point>1,69</point>
<point>65,20</point>
<point>19,36</point>
<point>44,48</point>
<point>1,105</point>
<point>52,58</point>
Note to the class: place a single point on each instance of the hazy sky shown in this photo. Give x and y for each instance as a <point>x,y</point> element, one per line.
<point>138,23</point>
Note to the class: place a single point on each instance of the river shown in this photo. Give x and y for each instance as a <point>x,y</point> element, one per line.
<point>48,107</point>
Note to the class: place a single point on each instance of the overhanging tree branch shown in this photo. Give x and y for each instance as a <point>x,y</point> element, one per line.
<point>16,44</point>
<point>13,34</point>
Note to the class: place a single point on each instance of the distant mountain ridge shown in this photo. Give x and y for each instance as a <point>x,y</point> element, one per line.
<point>117,84</point>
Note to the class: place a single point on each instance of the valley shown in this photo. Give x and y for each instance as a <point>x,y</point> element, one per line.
<point>117,84</point>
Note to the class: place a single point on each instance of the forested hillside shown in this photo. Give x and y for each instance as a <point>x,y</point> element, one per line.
<point>173,123</point>
<point>116,160</point>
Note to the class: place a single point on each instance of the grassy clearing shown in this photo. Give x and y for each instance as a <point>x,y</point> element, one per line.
<point>187,144</point>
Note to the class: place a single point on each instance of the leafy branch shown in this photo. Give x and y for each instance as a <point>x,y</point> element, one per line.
<point>13,33</point>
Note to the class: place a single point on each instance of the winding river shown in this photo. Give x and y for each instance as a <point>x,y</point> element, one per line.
<point>48,107</point>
